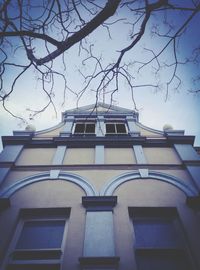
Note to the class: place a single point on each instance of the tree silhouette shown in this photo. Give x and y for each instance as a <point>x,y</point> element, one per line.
<point>35,35</point>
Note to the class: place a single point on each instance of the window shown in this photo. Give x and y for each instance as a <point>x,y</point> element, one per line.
<point>158,240</point>
<point>38,241</point>
<point>84,128</point>
<point>116,128</point>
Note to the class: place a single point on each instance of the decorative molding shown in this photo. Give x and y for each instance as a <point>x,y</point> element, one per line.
<point>144,173</point>
<point>109,188</point>
<point>99,203</point>
<point>70,177</point>
<point>54,174</point>
<point>99,261</point>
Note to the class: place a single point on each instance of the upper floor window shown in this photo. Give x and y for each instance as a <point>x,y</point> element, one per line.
<point>84,128</point>
<point>116,128</point>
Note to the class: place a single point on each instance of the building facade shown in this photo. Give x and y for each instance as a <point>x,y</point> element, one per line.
<point>99,191</point>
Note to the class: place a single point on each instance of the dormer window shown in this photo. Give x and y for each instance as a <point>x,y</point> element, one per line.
<point>84,128</point>
<point>116,128</point>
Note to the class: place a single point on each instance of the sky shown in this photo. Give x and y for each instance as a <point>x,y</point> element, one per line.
<point>181,109</point>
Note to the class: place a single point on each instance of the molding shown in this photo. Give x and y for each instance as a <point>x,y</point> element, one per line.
<point>70,177</point>
<point>99,261</point>
<point>99,203</point>
<point>49,129</point>
<point>108,189</point>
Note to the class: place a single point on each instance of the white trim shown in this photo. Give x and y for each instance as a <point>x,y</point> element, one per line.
<point>71,177</point>
<point>110,187</point>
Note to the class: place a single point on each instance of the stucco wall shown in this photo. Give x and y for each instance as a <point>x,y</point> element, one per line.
<point>119,156</point>
<point>36,156</point>
<point>79,156</point>
<point>160,155</point>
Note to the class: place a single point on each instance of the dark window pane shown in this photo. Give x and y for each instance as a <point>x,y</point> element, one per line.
<point>79,128</point>
<point>41,234</point>
<point>90,128</point>
<point>121,128</point>
<point>156,233</point>
<point>162,261</point>
<point>110,128</point>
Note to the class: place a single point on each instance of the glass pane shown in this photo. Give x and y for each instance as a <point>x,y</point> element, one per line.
<point>90,128</point>
<point>121,128</point>
<point>156,233</point>
<point>110,128</point>
<point>162,261</point>
<point>79,128</point>
<point>41,234</point>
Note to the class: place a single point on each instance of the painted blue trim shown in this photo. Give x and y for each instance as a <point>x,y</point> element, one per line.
<point>109,188</point>
<point>99,154</point>
<point>186,152</point>
<point>10,153</point>
<point>139,154</point>
<point>3,173</point>
<point>100,126</point>
<point>73,178</point>
<point>59,155</point>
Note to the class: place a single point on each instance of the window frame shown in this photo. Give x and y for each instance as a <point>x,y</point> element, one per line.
<point>85,124</point>
<point>160,213</point>
<point>34,258</point>
<point>115,124</point>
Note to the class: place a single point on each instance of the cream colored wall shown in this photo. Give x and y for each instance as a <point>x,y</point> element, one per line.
<point>49,194</point>
<point>150,193</point>
<point>36,156</point>
<point>14,176</point>
<point>160,155</point>
<point>119,156</point>
<point>148,133</point>
<point>79,156</point>
<point>52,133</point>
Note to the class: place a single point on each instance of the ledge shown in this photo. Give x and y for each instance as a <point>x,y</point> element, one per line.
<point>99,203</point>
<point>99,261</point>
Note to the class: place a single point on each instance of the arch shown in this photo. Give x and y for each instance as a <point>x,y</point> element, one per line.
<point>69,177</point>
<point>110,187</point>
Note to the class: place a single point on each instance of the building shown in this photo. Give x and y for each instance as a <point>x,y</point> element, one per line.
<point>99,191</point>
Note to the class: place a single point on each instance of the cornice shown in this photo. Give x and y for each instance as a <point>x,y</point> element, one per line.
<point>91,141</point>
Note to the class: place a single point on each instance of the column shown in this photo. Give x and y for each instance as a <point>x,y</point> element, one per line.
<point>99,247</point>
<point>133,129</point>
<point>100,127</point>
<point>67,129</point>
